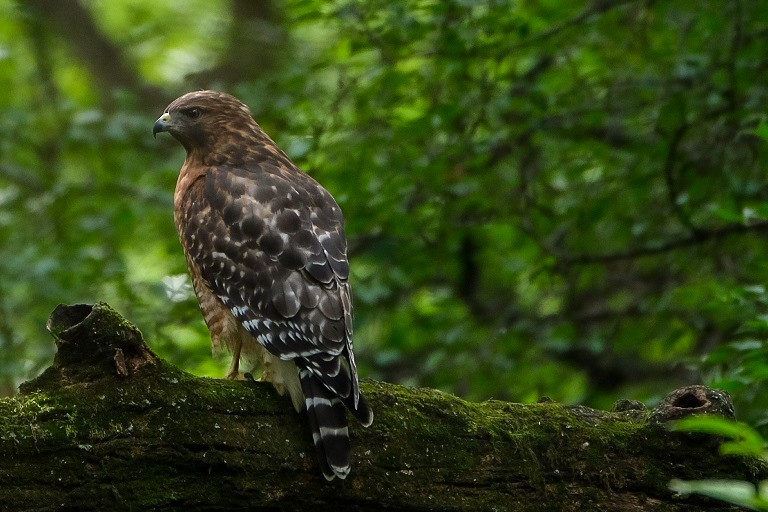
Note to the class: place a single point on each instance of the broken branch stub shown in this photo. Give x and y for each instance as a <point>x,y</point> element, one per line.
<point>92,341</point>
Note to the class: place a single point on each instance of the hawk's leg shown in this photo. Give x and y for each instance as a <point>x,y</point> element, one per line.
<point>234,367</point>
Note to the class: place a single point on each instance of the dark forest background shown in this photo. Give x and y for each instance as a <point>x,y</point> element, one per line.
<point>551,198</point>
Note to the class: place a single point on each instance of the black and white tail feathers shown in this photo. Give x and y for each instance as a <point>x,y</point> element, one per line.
<point>326,411</point>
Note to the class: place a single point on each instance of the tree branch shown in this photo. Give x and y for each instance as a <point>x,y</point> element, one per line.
<point>699,237</point>
<point>597,7</point>
<point>673,194</point>
<point>256,39</point>
<point>107,64</point>
<point>110,426</point>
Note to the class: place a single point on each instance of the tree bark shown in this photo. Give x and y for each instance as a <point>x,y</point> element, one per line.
<point>254,41</point>
<point>109,426</point>
<point>110,68</point>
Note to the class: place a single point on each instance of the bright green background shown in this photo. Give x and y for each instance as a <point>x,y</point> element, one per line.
<point>542,197</point>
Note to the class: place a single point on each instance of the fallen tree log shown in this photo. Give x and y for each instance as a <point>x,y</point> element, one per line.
<point>109,426</point>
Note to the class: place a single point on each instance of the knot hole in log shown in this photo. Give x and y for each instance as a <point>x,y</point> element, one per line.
<point>693,400</point>
<point>93,341</point>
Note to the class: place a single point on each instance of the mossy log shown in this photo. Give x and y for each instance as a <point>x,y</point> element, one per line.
<point>109,426</point>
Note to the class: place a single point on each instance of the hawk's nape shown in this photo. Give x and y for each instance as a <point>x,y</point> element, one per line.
<point>266,248</point>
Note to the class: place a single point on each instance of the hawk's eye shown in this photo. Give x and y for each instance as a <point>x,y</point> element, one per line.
<point>192,113</point>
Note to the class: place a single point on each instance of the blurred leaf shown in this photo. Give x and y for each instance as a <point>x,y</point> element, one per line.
<point>744,440</point>
<point>178,288</point>
<point>733,491</point>
<point>762,130</point>
<point>672,115</point>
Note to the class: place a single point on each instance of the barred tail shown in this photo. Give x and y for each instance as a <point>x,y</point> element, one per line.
<point>328,422</point>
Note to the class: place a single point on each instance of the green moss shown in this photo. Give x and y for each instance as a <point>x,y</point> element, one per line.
<point>20,420</point>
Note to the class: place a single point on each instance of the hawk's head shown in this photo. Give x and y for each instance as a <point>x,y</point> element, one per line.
<point>207,121</point>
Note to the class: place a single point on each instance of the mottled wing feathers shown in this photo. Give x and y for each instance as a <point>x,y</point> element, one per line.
<point>281,270</point>
<point>264,260</point>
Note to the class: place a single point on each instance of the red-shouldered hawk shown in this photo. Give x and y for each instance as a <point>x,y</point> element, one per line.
<point>266,248</point>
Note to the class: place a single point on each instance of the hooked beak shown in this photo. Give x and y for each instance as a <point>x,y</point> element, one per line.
<point>162,124</point>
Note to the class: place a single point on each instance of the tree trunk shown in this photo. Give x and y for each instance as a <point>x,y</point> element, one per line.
<point>109,426</point>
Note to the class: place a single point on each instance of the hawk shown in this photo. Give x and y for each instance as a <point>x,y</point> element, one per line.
<point>265,245</point>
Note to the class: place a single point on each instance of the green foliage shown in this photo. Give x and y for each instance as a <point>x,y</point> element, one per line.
<point>741,440</point>
<point>539,200</point>
<point>740,365</point>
